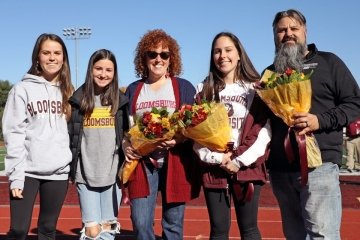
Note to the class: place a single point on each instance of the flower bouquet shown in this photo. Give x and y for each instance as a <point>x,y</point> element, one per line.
<point>149,129</point>
<point>285,94</point>
<point>207,124</point>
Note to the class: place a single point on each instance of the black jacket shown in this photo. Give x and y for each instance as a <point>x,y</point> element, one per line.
<point>75,127</point>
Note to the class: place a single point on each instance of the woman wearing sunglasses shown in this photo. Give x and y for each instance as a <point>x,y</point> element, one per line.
<point>171,168</point>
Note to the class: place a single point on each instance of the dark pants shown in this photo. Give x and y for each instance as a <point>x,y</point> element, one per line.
<point>52,196</point>
<point>218,204</point>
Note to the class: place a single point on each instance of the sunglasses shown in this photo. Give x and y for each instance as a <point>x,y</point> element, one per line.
<point>153,55</point>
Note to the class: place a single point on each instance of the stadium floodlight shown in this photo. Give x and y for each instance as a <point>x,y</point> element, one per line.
<point>76,33</point>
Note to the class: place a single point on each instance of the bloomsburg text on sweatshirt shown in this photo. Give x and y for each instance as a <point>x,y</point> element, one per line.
<point>35,132</point>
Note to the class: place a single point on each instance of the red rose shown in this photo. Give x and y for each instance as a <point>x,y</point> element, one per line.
<point>146,118</point>
<point>288,71</point>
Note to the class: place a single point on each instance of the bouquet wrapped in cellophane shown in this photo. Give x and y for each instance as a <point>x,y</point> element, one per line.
<point>285,94</point>
<point>207,124</point>
<point>149,129</point>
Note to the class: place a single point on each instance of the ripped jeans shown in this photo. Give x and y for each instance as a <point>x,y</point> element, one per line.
<point>99,206</point>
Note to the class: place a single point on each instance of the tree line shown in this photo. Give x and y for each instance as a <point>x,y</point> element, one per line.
<point>5,87</point>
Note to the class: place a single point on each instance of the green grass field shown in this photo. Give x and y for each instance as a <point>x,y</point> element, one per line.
<point>2,155</point>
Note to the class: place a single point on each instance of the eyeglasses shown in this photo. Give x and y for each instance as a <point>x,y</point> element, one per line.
<point>153,55</point>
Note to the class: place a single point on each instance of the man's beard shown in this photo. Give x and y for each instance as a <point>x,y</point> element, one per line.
<point>290,56</point>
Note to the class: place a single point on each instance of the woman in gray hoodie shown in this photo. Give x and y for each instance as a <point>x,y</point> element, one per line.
<point>36,139</point>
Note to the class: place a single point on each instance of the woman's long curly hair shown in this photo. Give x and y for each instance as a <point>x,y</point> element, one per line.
<point>151,40</point>
<point>64,78</point>
<point>245,70</point>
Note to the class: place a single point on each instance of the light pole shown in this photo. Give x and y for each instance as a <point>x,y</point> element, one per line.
<point>75,33</point>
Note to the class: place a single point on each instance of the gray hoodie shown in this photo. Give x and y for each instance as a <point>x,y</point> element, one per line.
<point>35,132</point>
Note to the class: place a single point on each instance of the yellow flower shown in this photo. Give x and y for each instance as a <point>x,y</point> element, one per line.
<point>165,123</point>
<point>155,117</point>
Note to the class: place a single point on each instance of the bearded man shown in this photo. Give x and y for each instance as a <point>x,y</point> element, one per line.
<point>312,211</point>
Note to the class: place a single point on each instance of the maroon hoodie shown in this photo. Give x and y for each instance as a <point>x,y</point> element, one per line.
<point>215,177</point>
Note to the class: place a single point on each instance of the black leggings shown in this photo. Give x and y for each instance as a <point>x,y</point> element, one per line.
<point>52,196</point>
<point>218,205</point>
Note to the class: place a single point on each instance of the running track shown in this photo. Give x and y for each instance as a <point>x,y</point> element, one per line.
<point>196,218</point>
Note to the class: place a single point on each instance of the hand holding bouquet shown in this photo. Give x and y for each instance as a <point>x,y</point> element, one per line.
<point>149,130</point>
<point>285,94</point>
<point>207,124</point>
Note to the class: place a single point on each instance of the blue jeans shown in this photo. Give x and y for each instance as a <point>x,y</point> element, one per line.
<point>312,211</point>
<point>100,205</point>
<point>143,209</point>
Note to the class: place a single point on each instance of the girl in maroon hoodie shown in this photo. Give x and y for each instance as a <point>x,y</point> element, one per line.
<point>240,172</point>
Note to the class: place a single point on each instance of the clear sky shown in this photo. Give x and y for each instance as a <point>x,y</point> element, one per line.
<point>119,24</point>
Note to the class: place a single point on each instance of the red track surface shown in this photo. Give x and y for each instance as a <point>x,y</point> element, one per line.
<point>196,218</point>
